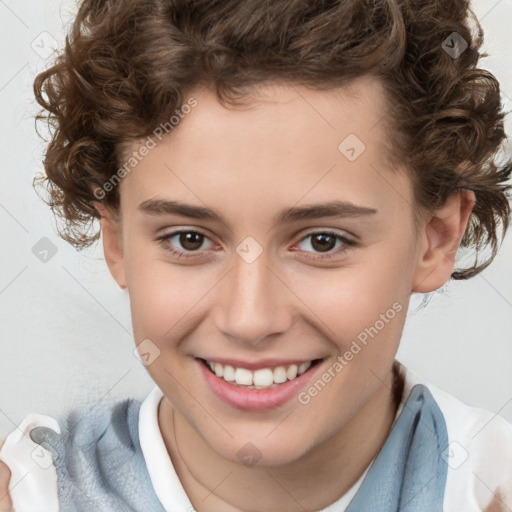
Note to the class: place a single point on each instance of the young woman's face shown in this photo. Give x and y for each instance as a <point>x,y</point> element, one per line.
<point>286,269</point>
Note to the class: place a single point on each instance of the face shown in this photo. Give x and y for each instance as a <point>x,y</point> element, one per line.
<point>273,278</point>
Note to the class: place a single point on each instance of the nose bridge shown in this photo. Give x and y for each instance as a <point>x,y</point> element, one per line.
<point>252,305</point>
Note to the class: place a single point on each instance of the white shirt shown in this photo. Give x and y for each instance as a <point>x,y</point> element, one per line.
<point>165,481</point>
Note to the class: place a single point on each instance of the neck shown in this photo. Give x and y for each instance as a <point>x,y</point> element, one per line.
<point>312,482</point>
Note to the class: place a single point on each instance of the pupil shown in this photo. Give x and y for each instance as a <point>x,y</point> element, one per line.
<point>325,242</point>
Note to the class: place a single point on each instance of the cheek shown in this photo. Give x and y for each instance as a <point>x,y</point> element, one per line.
<point>361,312</point>
<point>154,294</point>
<point>348,301</point>
<point>343,303</point>
<point>165,299</point>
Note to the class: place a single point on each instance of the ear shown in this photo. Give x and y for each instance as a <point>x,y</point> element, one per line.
<point>112,244</point>
<point>440,241</point>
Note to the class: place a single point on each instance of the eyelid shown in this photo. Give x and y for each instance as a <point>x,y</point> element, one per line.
<point>347,242</point>
<point>333,231</point>
<point>165,237</point>
<point>302,234</point>
<point>163,241</point>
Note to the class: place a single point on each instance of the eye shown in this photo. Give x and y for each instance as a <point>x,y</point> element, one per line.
<point>190,240</point>
<point>325,242</point>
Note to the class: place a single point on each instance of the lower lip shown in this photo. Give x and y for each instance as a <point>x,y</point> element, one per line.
<point>255,399</point>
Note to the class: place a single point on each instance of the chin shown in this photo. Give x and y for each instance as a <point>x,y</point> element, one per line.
<point>258,450</point>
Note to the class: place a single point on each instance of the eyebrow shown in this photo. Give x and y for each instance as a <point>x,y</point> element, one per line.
<point>341,209</point>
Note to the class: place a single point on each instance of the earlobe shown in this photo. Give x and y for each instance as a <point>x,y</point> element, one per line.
<point>440,241</point>
<point>112,245</point>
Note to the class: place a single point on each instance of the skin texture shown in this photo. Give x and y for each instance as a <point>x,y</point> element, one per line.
<point>289,303</point>
<point>247,165</point>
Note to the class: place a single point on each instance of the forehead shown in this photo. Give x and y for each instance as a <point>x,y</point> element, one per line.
<point>289,144</point>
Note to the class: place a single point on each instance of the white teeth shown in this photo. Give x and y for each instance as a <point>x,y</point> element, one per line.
<point>263,378</point>
<point>291,373</point>
<point>303,367</point>
<point>229,373</point>
<point>279,374</point>
<point>243,376</point>
<point>219,370</point>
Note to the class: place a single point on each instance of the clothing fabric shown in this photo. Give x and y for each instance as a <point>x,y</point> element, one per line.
<point>440,455</point>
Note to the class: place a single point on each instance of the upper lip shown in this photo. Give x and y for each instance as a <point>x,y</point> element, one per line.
<point>256,365</point>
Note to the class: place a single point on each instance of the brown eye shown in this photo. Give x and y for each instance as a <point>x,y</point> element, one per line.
<point>323,242</point>
<point>326,242</point>
<point>183,243</point>
<point>190,240</point>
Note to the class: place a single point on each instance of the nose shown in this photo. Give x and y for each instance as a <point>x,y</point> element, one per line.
<point>253,305</point>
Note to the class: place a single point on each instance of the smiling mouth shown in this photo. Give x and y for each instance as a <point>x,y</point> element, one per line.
<point>262,378</point>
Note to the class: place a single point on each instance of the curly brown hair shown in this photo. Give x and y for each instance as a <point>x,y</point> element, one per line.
<point>129,64</point>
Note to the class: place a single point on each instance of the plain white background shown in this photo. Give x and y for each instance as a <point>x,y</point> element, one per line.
<point>65,325</point>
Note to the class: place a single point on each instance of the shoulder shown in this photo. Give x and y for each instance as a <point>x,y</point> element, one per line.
<point>478,453</point>
<point>45,455</point>
<point>479,435</point>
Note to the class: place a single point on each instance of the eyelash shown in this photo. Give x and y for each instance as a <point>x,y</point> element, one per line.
<point>349,244</point>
